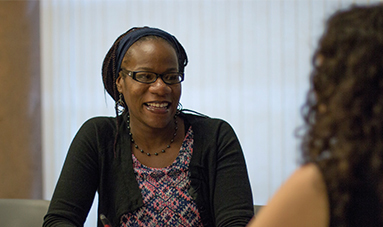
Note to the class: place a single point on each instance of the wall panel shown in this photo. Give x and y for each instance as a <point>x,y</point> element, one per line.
<point>20,112</point>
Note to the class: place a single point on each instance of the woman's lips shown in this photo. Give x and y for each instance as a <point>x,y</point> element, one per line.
<point>156,107</point>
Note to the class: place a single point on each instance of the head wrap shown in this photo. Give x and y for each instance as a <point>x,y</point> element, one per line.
<point>131,37</point>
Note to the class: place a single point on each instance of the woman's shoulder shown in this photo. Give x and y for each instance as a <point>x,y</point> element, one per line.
<point>193,117</point>
<point>100,120</point>
<point>301,201</point>
<point>99,123</point>
<point>309,174</point>
<point>207,127</point>
<point>305,184</point>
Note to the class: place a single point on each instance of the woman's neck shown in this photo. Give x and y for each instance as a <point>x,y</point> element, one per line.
<point>149,138</point>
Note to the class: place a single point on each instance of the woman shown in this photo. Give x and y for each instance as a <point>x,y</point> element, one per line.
<point>341,181</point>
<point>152,165</point>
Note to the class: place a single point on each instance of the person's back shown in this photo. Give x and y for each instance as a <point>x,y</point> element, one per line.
<point>341,180</point>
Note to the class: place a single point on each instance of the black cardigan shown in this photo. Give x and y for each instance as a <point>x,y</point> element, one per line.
<point>219,179</point>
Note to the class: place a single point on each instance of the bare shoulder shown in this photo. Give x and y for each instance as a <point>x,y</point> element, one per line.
<point>308,176</point>
<point>301,201</point>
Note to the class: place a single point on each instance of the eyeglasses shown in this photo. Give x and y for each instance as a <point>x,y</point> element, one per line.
<point>150,77</point>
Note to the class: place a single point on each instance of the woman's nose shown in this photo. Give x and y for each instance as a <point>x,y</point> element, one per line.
<point>159,87</point>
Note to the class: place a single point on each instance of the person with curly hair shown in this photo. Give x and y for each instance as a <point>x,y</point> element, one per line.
<point>154,164</point>
<point>340,182</point>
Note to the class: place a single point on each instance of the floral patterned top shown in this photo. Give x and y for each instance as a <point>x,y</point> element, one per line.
<point>165,193</point>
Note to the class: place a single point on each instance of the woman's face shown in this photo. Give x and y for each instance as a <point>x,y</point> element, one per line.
<point>150,105</point>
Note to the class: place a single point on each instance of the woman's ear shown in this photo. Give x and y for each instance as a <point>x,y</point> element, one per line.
<point>119,83</point>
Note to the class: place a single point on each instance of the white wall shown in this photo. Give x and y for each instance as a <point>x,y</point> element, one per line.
<point>249,64</point>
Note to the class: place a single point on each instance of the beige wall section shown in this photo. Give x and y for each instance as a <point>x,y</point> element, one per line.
<point>20,105</point>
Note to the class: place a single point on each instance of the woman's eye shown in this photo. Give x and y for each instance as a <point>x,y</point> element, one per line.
<point>171,77</point>
<point>145,76</point>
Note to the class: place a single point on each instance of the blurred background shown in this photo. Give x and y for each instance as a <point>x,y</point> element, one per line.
<point>249,64</point>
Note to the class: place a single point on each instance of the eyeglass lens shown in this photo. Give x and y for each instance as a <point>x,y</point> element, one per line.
<point>148,77</point>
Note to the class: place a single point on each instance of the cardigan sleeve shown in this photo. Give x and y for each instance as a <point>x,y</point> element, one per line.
<point>233,203</point>
<point>78,181</point>
<point>219,179</point>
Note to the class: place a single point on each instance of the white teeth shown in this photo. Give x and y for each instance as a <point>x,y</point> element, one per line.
<point>158,105</point>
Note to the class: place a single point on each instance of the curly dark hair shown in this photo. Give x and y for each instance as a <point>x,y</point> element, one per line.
<point>343,115</point>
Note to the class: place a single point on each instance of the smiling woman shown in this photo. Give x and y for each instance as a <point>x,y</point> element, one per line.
<point>152,106</point>
<point>154,164</point>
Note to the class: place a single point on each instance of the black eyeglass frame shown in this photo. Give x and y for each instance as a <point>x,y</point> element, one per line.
<point>132,74</point>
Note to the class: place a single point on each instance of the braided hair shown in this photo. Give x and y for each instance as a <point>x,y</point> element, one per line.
<point>110,71</point>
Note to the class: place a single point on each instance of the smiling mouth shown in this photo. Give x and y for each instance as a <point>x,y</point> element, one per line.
<point>163,105</point>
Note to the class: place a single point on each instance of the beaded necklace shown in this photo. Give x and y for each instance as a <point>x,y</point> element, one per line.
<point>156,153</point>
